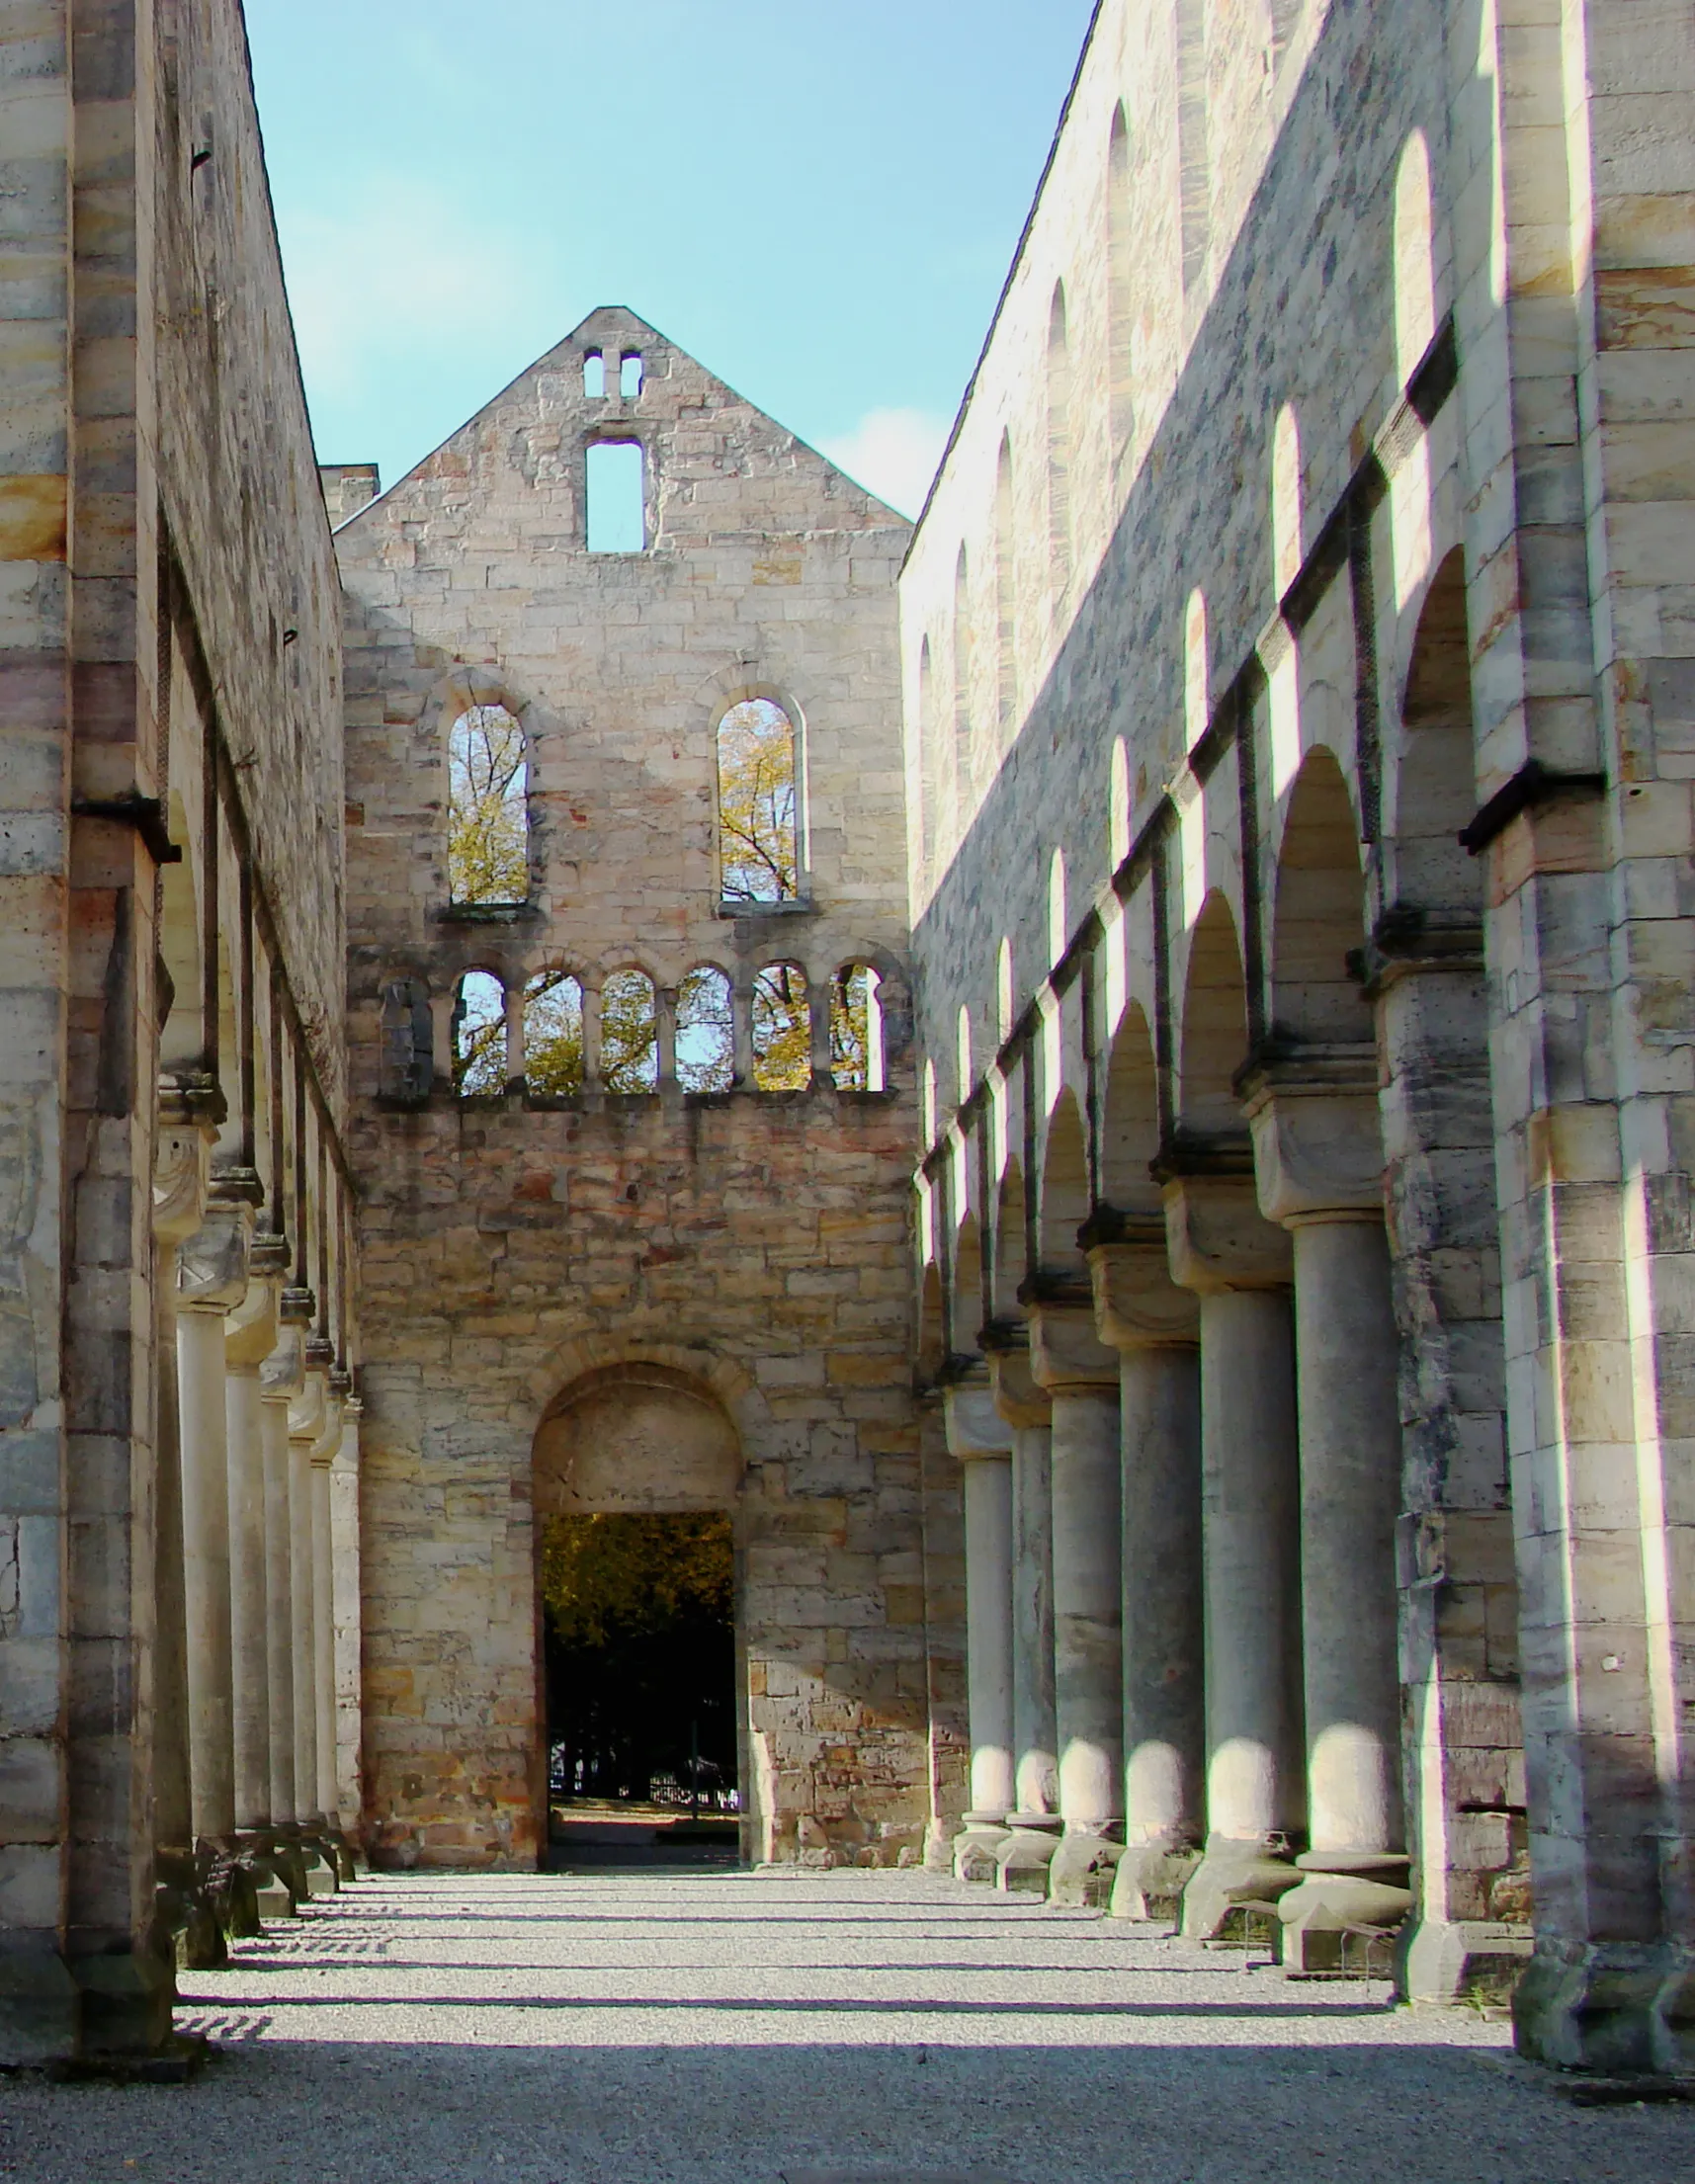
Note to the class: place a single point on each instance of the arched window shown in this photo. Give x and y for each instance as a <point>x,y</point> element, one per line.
<point>1005,592</point>
<point>758,803</point>
<point>856,1030</point>
<point>1121,278</point>
<point>964,665</point>
<point>404,1071</point>
<point>782,1030</point>
<point>1059,444</point>
<point>553,1033</point>
<point>629,1034</point>
<point>489,817</point>
<point>480,1035</point>
<point>706,1030</point>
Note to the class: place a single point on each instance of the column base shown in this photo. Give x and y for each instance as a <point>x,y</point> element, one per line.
<point>1149,1881</point>
<point>40,2009</point>
<point>1233,1880</point>
<point>940,1837</point>
<point>1341,1925</point>
<point>1441,1961</point>
<point>1081,1872</point>
<point>1610,2009</point>
<point>1029,1849</point>
<point>185,1917</point>
<point>231,1888</point>
<point>975,1846</point>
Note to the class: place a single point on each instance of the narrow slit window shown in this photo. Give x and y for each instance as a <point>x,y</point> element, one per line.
<point>553,1033</point>
<point>706,1030</point>
<point>594,375</point>
<point>617,483</point>
<point>856,1030</point>
<point>488,816</point>
<point>629,1034</point>
<point>757,804</point>
<point>629,376</point>
<point>480,1035</point>
<point>782,1030</point>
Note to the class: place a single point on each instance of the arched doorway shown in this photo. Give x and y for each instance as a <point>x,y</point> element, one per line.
<point>637,1475</point>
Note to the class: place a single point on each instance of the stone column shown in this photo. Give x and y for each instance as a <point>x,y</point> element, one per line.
<point>1027,1410</point>
<point>1318,1152</point>
<point>211,1280</point>
<point>1155,1327</point>
<point>1080,1376</point>
<point>249,1334</point>
<point>344,1555</point>
<point>324,1451</point>
<point>1221,1247</point>
<point>281,1382</point>
<point>981,1442</point>
<point>307,1414</point>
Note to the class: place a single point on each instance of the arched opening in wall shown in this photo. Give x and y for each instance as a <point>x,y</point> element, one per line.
<point>615,486</point>
<point>1064,1204</point>
<point>1194,159</point>
<point>1121,284</point>
<point>1213,1039</point>
<point>782,1030</point>
<point>1435,783</point>
<point>758,803</point>
<point>1059,444</point>
<point>964,667</point>
<point>637,1475</point>
<point>594,375</point>
<point>1319,914</point>
<point>407,1062</point>
<point>1130,1132</point>
<point>553,1035</point>
<point>1010,1258</point>
<point>967,1307</point>
<point>856,1029</point>
<point>1005,593</point>
<point>489,810</point>
<point>629,1034</point>
<point>480,1035</point>
<point>706,1030</point>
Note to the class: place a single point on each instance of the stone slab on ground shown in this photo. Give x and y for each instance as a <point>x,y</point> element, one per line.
<point>699,2029</point>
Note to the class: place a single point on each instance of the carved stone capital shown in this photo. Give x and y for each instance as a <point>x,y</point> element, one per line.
<point>282,1373</point>
<point>182,1176</point>
<point>212,1264</point>
<point>328,1443</point>
<point>306,1411</point>
<point>1317,1136</point>
<point>1067,1356</point>
<point>347,1453</point>
<point>1216,1238</point>
<point>250,1331</point>
<point>1016,1396</point>
<point>976,1428</point>
<point>298,1308</point>
<point>1137,1305</point>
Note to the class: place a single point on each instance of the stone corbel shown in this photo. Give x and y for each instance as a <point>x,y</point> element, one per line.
<point>1137,1305</point>
<point>1318,1136</point>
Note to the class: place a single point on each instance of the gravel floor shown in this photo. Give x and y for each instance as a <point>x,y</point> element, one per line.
<point>633,2028</point>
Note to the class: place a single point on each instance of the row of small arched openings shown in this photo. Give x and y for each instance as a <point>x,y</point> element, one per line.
<point>559,1036</point>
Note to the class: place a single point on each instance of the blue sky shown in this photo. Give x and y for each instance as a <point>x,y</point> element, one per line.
<point>818,201</point>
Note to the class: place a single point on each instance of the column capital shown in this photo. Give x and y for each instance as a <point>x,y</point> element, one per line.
<point>250,1331</point>
<point>1067,1356</point>
<point>1317,1136</point>
<point>1137,1305</point>
<point>327,1445</point>
<point>976,1428</point>
<point>181,1178</point>
<point>281,1374</point>
<point>1215,1236</point>
<point>211,1263</point>
<point>308,1409</point>
<point>1017,1397</point>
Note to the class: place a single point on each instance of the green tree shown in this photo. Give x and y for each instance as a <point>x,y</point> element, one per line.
<point>629,1034</point>
<point>488,821</point>
<point>553,1033</point>
<point>781,1034</point>
<point>851,1004</point>
<point>480,1035</point>
<point>758,851</point>
<point>706,1030</point>
<point>615,1576</point>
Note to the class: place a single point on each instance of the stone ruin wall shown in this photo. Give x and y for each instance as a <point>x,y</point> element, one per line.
<point>757,1243</point>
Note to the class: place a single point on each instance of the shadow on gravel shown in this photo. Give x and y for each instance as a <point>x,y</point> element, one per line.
<point>273,2111</point>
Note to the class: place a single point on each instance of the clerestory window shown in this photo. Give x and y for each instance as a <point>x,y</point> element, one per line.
<point>758,803</point>
<point>488,814</point>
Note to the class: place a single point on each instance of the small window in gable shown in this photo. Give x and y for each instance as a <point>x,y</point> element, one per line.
<point>782,1030</point>
<point>706,1030</point>
<point>629,374</point>
<point>856,1030</point>
<point>553,1033</point>
<point>594,375</point>
<point>480,1035</point>
<point>488,816</point>
<point>758,807</point>
<point>617,490</point>
<point>629,1034</point>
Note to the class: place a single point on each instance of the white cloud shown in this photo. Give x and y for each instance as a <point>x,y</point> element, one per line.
<point>894,453</point>
<point>401,273</point>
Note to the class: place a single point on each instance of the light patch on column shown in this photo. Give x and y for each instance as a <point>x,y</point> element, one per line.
<point>1197,689</point>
